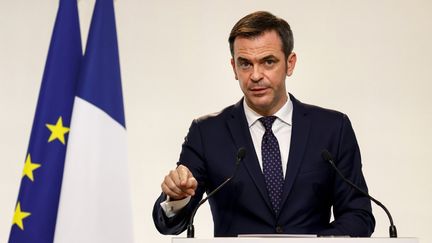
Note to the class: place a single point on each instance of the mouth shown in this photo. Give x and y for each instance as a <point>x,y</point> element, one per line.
<point>258,91</point>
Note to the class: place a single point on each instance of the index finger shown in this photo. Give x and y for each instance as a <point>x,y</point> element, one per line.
<point>183,174</point>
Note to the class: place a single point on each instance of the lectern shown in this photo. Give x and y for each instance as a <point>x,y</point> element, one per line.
<point>295,240</point>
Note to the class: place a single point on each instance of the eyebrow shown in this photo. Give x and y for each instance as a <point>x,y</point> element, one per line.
<point>270,57</point>
<point>242,59</point>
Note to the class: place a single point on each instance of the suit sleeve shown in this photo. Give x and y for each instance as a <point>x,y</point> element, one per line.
<point>352,210</point>
<point>191,156</point>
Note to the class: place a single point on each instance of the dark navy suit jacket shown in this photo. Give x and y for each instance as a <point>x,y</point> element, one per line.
<point>311,186</point>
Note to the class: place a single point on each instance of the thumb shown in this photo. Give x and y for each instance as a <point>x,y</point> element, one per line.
<point>191,186</point>
<point>192,183</point>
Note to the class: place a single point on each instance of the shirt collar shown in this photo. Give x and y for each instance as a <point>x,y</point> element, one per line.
<point>284,113</point>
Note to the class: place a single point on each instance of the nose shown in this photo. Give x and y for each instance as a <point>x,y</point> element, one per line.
<point>256,75</point>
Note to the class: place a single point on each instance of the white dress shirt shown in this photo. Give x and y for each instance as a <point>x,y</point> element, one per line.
<point>281,128</point>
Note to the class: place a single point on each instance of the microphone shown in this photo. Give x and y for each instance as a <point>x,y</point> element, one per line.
<point>241,153</point>
<point>328,157</point>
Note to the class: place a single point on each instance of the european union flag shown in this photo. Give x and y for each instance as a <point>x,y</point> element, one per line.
<point>36,208</point>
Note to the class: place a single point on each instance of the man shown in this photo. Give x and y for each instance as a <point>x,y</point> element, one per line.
<point>283,185</point>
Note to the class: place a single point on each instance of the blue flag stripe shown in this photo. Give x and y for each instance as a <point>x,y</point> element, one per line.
<point>100,81</point>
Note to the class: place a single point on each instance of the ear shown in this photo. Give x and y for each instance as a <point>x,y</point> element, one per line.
<point>233,66</point>
<point>291,62</point>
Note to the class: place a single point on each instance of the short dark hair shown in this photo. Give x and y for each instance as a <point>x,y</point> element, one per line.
<point>255,24</point>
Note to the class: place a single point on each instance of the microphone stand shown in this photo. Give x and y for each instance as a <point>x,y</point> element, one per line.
<point>392,229</point>
<point>190,228</point>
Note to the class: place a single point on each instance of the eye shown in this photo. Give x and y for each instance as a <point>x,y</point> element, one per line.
<point>244,65</point>
<point>269,62</point>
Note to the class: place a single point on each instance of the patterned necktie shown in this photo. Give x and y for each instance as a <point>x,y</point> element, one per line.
<point>272,164</point>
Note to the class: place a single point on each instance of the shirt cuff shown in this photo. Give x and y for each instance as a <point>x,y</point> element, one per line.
<point>171,208</point>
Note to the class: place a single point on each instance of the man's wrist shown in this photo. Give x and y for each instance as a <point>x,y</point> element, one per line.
<point>171,206</point>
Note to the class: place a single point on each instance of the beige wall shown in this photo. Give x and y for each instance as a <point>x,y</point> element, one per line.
<point>370,59</point>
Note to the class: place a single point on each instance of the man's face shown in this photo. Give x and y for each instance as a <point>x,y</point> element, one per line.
<point>260,67</point>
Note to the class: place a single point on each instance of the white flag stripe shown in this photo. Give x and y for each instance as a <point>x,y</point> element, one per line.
<point>95,199</point>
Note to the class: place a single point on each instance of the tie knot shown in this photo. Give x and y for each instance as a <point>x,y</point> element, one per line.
<point>267,122</point>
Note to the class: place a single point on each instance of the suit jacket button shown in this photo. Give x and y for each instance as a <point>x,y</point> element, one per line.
<point>279,229</point>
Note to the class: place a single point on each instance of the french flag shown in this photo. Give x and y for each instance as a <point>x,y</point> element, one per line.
<point>95,198</point>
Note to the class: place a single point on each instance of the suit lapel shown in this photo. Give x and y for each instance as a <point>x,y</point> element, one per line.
<point>299,137</point>
<point>237,125</point>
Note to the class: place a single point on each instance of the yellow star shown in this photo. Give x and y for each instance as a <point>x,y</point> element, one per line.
<point>19,216</point>
<point>58,131</point>
<point>29,167</point>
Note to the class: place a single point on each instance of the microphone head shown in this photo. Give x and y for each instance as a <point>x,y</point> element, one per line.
<point>325,154</point>
<point>241,153</point>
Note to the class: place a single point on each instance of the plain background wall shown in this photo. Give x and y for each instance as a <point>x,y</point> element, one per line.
<point>370,59</point>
